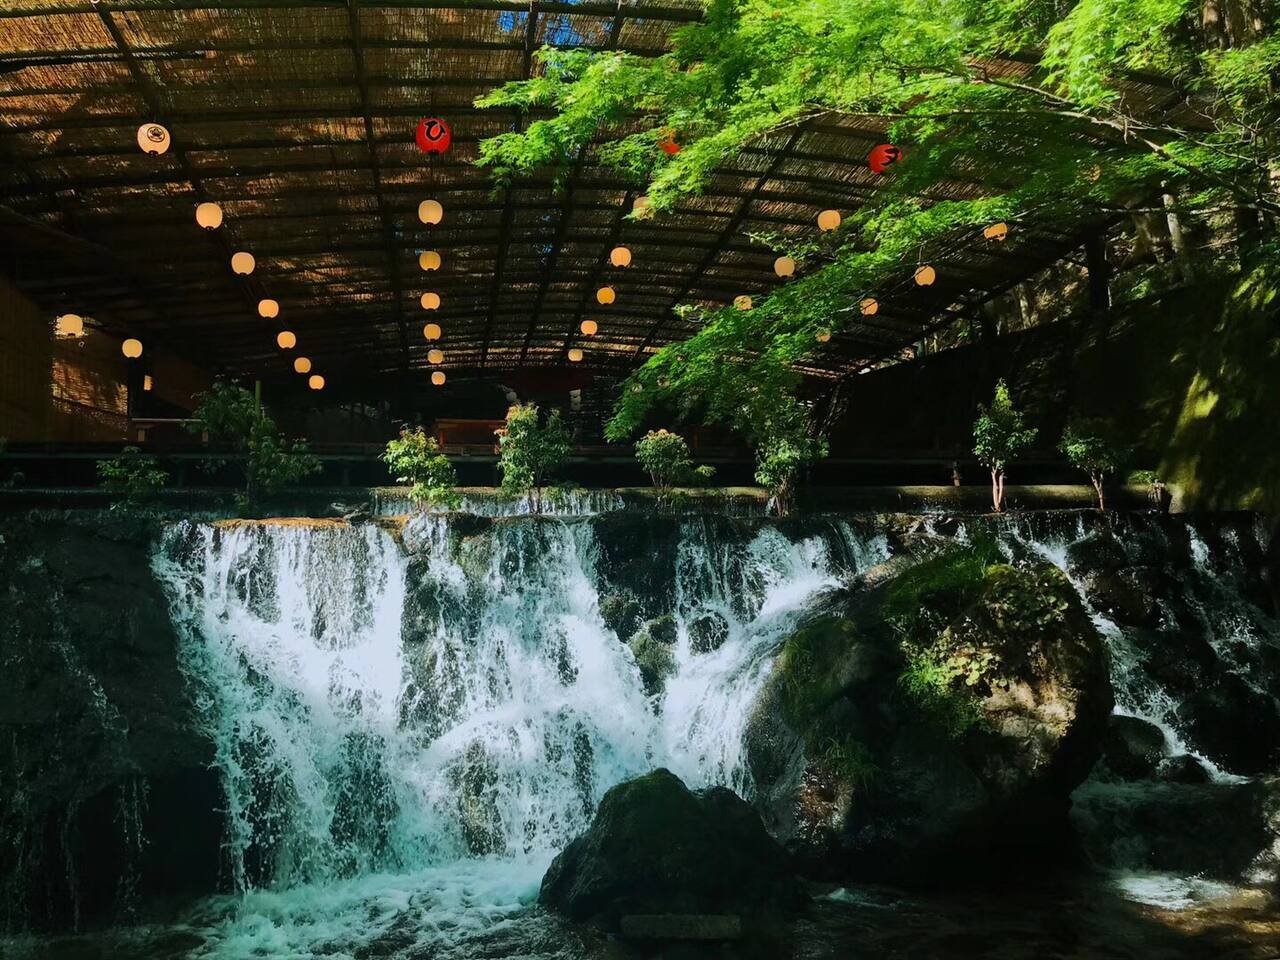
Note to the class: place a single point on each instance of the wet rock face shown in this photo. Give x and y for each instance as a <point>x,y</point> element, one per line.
<point>655,847</point>
<point>1193,601</point>
<point>950,711</point>
<point>110,793</point>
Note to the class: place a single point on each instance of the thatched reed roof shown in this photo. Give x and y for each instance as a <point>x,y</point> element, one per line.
<point>297,116</point>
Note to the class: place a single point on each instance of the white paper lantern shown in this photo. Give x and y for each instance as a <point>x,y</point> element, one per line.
<point>430,301</point>
<point>743,302</point>
<point>620,257</point>
<point>153,139</point>
<point>828,220</point>
<point>438,378</point>
<point>870,307</point>
<point>69,325</point>
<point>575,355</point>
<point>606,295</point>
<point>316,382</point>
<point>268,309</point>
<point>784,267</point>
<point>435,355</point>
<point>243,263</point>
<point>926,275</point>
<point>302,365</point>
<point>430,212</point>
<point>432,331</point>
<point>286,340</point>
<point>209,216</point>
<point>429,260</point>
<point>588,328</point>
<point>131,348</point>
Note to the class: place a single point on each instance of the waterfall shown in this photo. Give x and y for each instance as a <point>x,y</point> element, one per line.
<point>392,701</point>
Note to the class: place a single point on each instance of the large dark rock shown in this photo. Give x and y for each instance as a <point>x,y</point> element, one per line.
<point>655,847</point>
<point>1133,748</point>
<point>110,793</point>
<point>942,721</point>
<point>1234,722</point>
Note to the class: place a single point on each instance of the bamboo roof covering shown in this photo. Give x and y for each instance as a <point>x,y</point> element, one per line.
<point>297,117</point>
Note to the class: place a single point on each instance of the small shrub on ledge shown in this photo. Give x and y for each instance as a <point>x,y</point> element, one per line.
<point>415,458</point>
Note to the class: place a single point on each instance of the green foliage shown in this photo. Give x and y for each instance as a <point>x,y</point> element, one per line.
<point>655,659</point>
<point>531,449</point>
<point>976,635</point>
<point>1055,144</point>
<point>414,457</point>
<point>133,476</point>
<point>665,457</point>
<point>1090,445</point>
<point>929,684</point>
<point>851,761</point>
<point>1000,433</point>
<point>231,414</point>
<point>920,601</point>
<point>779,461</point>
<point>804,662</point>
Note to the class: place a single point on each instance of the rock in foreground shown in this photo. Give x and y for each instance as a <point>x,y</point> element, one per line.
<point>655,847</point>
<point>938,723</point>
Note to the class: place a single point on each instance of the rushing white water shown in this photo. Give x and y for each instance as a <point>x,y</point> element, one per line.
<point>398,706</point>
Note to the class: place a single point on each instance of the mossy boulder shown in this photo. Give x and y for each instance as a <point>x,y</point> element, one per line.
<point>652,646</point>
<point>656,847</point>
<point>708,632</point>
<point>950,709</point>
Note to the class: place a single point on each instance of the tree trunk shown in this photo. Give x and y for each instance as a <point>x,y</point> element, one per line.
<point>1178,240</point>
<point>1097,488</point>
<point>997,488</point>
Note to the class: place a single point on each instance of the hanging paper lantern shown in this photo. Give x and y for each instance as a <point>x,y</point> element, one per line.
<point>743,302</point>
<point>668,144</point>
<point>606,295</point>
<point>883,156</point>
<point>430,212</point>
<point>637,389</point>
<point>302,365</point>
<point>433,135</point>
<point>147,382</point>
<point>268,309</point>
<point>286,340</point>
<point>429,260</point>
<point>438,378</point>
<point>432,331</point>
<point>153,139</point>
<point>575,355</point>
<point>997,231</point>
<point>243,263</point>
<point>131,348</point>
<point>641,208</point>
<point>822,336</point>
<point>209,216</point>
<point>430,301</point>
<point>784,267</point>
<point>69,325</point>
<point>620,257</point>
<point>435,356</point>
<point>589,328</point>
<point>316,382</point>
<point>828,220</point>
<point>870,307</point>
<point>926,275</point>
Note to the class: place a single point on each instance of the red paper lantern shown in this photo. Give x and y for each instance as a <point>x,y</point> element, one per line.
<point>883,157</point>
<point>433,135</point>
<point>669,145</point>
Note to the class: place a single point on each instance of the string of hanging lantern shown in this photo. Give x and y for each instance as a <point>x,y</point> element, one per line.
<point>155,140</point>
